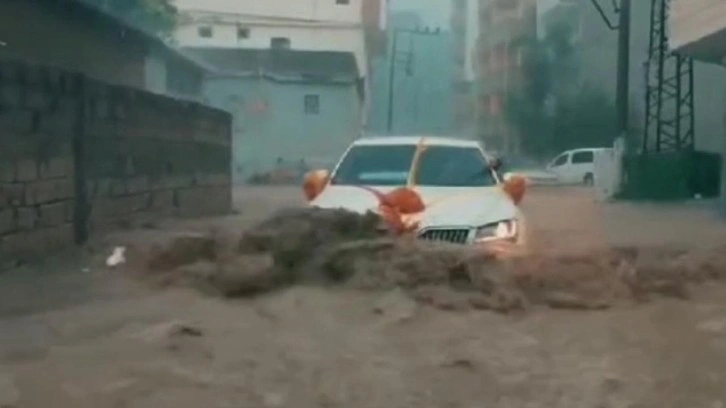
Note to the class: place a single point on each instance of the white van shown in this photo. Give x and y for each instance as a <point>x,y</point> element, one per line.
<point>576,166</point>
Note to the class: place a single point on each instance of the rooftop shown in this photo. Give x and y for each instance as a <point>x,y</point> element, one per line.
<point>92,10</point>
<point>281,65</point>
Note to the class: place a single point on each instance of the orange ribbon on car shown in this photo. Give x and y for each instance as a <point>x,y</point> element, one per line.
<point>399,207</point>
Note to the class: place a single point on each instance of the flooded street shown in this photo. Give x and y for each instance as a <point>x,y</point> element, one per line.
<point>77,337</point>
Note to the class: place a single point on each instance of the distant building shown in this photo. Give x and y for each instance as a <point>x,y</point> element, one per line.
<point>504,28</point>
<point>597,48</point>
<point>304,25</point>
<point>286,104</point>
<point>75,36</point>
<point>422,92</point>
<point>697,28</point>
<point>464,33</point>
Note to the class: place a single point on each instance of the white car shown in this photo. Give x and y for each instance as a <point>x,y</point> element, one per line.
<point>532,171</point>
<point>576,166</point>
<point>465,202</point>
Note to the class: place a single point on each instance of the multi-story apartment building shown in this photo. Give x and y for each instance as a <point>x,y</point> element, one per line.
<point>504,28</point>
<point>698,29</point>
<point>287,70</point>
<point>303,25</point>
<point>464,32</point>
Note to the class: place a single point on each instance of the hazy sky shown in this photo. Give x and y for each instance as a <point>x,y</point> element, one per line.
<point>436,13</point>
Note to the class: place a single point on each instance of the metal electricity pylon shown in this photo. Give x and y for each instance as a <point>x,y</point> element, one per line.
<point>669,110</point>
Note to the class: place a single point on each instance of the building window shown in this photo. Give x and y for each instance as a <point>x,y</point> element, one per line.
<point>342,2</point>
<point>243,33</point>
<point>205,31</point>
<point>312,104</point>
<point>280,43</point>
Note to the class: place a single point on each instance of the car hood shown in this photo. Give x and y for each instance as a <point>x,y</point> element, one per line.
<point>445,206</point>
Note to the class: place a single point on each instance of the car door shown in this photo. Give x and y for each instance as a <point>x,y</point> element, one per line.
<point>559,167</point>
<point>582,166</point>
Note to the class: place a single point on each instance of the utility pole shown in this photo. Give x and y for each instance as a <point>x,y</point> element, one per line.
<point>408,61</point>
<point>623,11</point>
<point>623,84</point>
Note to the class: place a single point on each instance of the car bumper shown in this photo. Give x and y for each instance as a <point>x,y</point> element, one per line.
<point>467,236</point>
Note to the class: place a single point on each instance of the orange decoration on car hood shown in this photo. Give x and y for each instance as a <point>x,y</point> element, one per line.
<point>314,183</point>
<point>515,188</point>
<point>397,207</point>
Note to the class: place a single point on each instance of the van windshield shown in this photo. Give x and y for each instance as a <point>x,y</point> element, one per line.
<point>390,165</point>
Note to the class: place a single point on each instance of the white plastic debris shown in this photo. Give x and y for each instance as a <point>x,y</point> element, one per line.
<point>117,258</point>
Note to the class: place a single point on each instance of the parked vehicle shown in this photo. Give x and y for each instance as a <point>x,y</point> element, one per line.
<point>576,166</point>
<point>534,172</point>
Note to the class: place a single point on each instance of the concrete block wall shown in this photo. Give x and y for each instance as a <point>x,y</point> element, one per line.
<point>146,156</point>
<point>79,157</point>
<point>36,161</point>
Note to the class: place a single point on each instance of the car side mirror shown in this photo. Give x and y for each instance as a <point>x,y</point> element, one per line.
<point>495,163</point>
<point>515,186</point>
<point>314,183</point>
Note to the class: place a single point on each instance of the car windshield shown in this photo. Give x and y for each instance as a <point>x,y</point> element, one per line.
<point>380,165</point>
<point>451,166</point>
<point>390,165</point>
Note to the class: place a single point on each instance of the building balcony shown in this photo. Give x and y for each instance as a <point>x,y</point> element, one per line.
<point>506,28</point>
<point>545,6</point>
<point>698,28</point>
<point>553,12</point>
<point>458,19</point>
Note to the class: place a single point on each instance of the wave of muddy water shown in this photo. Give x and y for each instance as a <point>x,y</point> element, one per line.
<point>337,248</point>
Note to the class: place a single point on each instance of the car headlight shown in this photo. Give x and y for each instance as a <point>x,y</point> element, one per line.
<point>499,230</point>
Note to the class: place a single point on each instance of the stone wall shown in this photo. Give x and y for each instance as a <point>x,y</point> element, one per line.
<point>79,157</point>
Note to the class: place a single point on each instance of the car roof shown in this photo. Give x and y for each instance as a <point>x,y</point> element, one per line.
<point>414,140</point>
<point>587,149</point>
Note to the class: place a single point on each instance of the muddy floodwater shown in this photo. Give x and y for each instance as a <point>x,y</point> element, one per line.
<point>76,334</point>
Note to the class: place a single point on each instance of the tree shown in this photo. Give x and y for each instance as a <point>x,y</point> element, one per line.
<point>553,109</point>
<point>156,16</point>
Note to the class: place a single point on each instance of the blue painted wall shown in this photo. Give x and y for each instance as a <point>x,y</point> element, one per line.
<point>283,129</point>
<point>422,98</point>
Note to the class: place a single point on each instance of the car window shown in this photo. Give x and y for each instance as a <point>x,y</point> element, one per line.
<point>375,165</point>
<point>582,157</point>
<point>450,166</point>
<point>561,160</point>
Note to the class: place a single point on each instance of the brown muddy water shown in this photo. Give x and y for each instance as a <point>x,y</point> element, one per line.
<point>582,325</point>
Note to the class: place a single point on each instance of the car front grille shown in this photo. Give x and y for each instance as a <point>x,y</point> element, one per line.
<point>452,235</point>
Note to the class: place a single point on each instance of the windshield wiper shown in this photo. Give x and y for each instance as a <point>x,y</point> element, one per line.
<point>479,173</point>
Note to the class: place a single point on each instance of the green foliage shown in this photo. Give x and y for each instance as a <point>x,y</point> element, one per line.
<point>157,16</point>
<point>553,110</point>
